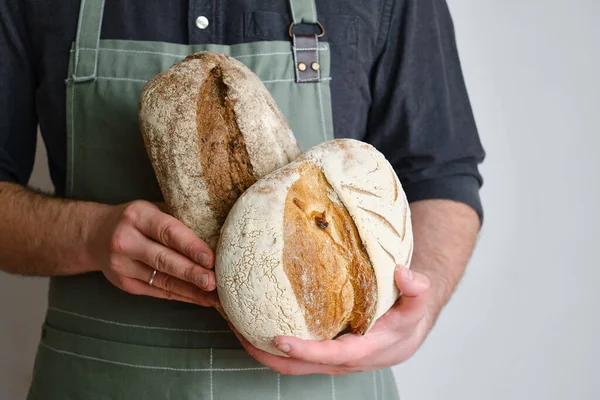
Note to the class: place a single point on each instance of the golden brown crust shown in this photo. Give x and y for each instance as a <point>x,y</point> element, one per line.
<point>211,128</point>
<point>324,259</point>
<point>226,166</point>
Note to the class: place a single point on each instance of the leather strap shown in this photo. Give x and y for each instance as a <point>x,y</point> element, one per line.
<point>306,58</point>
<point>306,46</point>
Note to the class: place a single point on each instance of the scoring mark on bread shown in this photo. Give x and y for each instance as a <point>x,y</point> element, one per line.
<point>409,254</point>
<point>298,203</point>
<point>353,188</point>
<point>223,154</point>
<point>396,191</point>
<point>405,218</point>
<point>387,252</point>
<point>382,219</point>
<point>325,260</point>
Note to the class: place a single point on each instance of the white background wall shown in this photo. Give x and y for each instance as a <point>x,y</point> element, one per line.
<point>524,322</point>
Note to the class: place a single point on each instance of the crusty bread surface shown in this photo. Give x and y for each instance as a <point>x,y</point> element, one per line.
<point>310,249</point>
<point>211,129</point>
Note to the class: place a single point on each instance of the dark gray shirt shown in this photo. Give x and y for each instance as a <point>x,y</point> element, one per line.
<point>396,78</point>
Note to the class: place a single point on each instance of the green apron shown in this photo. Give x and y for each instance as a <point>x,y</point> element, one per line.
<point>99,342</point>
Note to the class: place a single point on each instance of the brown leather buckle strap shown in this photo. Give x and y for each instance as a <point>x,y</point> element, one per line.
<point>306,55</point>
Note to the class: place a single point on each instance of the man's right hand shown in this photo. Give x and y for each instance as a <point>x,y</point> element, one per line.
<point>130,241</point>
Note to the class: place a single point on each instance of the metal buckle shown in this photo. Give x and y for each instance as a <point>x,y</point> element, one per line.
<point>316,23</point>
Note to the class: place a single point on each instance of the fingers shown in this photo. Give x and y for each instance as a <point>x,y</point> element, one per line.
<point>285,365</point>
<point>138,287</point>
<point>410,283</point>
<point>414,287</point>
<point>171,232</point>
<point>153,254</point>
<point>353,351</point>
<point>344,351</point>
<point>127,269</point>
<point>171,284</point>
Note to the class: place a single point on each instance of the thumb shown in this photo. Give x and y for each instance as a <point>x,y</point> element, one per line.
<point>410,283</point>
<point>414,287</point>
<point>412,303</point>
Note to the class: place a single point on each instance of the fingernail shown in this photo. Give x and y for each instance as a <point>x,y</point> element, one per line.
<point>284,347</point>
<point>203,280</point>
<point>408,275</point>
<point>204,259</point>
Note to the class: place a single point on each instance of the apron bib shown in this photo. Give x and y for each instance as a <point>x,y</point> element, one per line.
<point>99,342</point>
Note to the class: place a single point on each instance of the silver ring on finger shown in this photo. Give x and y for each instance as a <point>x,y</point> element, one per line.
<point>151,280</point>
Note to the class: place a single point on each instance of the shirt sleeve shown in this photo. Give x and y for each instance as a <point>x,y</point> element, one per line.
<point>18,119</point>
<point>421,118</point>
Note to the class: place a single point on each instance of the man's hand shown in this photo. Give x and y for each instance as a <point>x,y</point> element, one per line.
<point>394,338</point>
<point>47,236</point>
<point>444,235</point>
<point>133,240</point>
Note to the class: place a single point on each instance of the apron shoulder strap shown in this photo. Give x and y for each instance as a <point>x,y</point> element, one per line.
<point>304,11</point>
<point>87,40</point>
<point>306,46</point>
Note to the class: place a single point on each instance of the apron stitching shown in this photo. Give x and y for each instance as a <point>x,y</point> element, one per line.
<point>375,385</point>
<point>72,161</point>
<point>287,53</point>
<point>332,387</point>
<point>322,112</point>
<point>106,49</point>
<point>98,39</point>
<point>69,353</point>
<point>133,51</point>
<point>95,49</point>
<point>318,62</point>
<point>278,387</point>
<point>77,38</point>
<point>321,96</point>
<point>211,374</point>
<point>306,80</point>
<point>113,78</point>
<point>132,325</point>
<point>110,78</point>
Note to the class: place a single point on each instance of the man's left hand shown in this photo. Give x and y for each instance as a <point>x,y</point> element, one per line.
<point>393,339</point>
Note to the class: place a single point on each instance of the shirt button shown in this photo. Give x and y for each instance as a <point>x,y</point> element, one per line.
<point>202,22</point>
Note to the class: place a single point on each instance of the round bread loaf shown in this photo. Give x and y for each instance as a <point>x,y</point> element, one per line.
<point>310,249</point>
<point>211,129</point>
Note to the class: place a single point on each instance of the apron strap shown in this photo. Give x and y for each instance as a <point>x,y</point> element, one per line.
<point>304,11</point>
<point>87,40</point>
<point>306,46</point>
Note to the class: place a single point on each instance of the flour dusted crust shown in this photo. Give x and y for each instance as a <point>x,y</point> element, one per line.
<point>310,249</point>
<point>211,129</point>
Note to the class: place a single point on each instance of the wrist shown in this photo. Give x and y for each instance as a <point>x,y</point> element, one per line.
<point>93,217</point>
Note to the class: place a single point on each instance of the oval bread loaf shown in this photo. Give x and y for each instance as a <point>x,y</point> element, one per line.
<point>211,129</point>
<point>310,249</point>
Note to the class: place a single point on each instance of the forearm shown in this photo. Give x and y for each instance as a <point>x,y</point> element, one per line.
<point>444,234</point>
<point>44,236</point>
